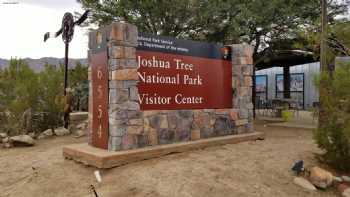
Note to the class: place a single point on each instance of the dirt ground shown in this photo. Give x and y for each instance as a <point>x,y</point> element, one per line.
<point>260,168</point>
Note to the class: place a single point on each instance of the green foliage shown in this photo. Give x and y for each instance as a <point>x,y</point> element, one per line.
<point>51,100</point>
<point>78,80</point>
<point>21,89</point>
<point>267,25</point>
<point>333,135</point>
<point>287,115</point>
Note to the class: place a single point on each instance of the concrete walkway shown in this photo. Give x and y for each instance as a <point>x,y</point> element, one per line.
<point>303,120</point>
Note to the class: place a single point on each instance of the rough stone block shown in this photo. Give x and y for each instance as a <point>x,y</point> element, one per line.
<point>243,113</point>
<point>150,113</point>
<point>118,95</point>
<point>152,137</point>
<point>117,52</point>
<point>234,114</point>
<point>201,119</point>
<point>134,114</point>
<point>119,122</point>
<point>117,131</point>
<point>115,64</point>
<point>131,63</point>
<point>142,141</point>
<point>166,136</point>
<point>125,74</point>
<point>195,134</point>
<point>134,93</point>
<point>129,142</point>
<point>250,106</point>
<point>135,130</point>
<point>185,113</point>
<point>247,70</point>
<point>130,83</point>
<point>172,120</point>
<point>117,31</point>
<point>236,69</point>
<point>130,52</point>
<point>244,91</point>
<point>117,114</point>
<point>129,105</point>
<point>124,34</point>
<point>248,81</point>
<point>236,82</point>
<point>183,129</point>
<point>115,143</point>
<point>223,126</point>
<point>207,132</point>
<point>241,122</point>
<point>159,122</point>
<point>135,122</point>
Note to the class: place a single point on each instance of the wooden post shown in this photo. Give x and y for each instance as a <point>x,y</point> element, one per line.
<point>324,67</point>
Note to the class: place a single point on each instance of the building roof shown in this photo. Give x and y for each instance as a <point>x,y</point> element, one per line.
<point>283,58</point>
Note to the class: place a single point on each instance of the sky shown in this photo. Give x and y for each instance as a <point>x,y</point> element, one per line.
<point>23,25</point>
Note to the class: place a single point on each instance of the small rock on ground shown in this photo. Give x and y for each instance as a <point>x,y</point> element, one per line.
<point>61,131</point>
<point>80,133</point>
<point>22,140</point>
<point>46,134</point>
<point>346,178</point>
<point>3,135</point>
<point>304,183</point>
<point>320,178</point>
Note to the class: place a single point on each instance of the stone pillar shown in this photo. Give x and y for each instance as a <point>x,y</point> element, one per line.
<point>125,117</point>
<point>242,73</point>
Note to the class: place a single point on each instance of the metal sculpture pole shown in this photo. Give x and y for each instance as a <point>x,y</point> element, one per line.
<point>67,31</point>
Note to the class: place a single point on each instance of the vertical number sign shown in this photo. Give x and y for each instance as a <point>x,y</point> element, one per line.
<point>100,100</point>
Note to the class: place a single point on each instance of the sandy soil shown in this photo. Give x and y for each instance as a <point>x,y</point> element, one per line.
<point>249,169</point>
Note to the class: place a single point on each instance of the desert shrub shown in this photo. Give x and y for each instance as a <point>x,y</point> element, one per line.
<point>333,134</point>
<point>78,80</point>
<point>21,89</point>
<point>51,96</point>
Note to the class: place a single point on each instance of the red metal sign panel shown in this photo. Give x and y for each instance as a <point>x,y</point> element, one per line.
<point>177,74</point>
<point>99,79</point>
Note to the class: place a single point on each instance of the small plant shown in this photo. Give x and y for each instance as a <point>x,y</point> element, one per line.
<point>287,115</point>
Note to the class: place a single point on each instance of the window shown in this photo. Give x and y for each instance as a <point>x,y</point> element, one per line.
<point>296,87</point>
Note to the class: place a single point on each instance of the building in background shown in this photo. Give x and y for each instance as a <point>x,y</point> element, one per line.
<point>269,84</point>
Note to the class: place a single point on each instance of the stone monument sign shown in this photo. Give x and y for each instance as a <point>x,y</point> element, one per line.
<point>148,90</point>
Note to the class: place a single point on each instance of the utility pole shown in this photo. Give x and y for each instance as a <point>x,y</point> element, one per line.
<point>324,36</point>
<point>323,60</point>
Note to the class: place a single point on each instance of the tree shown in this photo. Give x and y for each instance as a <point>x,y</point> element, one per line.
<point>267,25</point>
